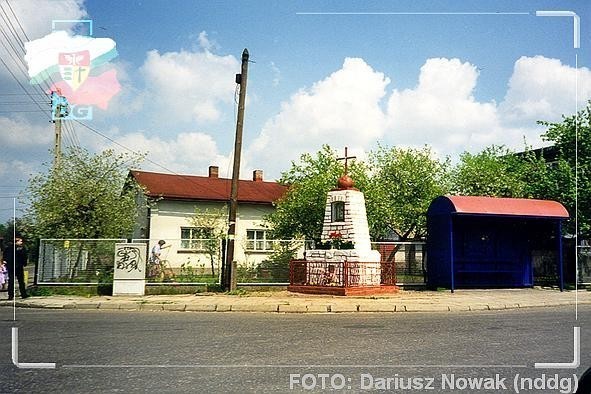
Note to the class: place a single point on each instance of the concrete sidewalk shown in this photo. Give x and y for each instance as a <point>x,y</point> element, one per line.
<point>285,302</point>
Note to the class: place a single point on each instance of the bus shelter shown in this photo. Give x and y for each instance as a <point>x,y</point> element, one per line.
<point>483,242</point>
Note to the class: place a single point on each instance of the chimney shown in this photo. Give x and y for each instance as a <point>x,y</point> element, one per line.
<point>257,175</point>
<point>214,171</point>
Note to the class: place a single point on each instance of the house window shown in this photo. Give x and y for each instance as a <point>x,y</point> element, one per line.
<point>258,240</point>
<point>195,238</point>
<point>338,211</point>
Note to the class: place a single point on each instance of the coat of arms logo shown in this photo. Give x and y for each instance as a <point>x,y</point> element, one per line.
<point>74,67</point>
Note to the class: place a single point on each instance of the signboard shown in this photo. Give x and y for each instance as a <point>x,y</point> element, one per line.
<point>129,274</point>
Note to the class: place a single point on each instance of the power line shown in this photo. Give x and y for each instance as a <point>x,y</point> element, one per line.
<point>22,94</point>
<point>12,29</point>
<point>70,133</point>
<point>17,21</point>
<point>20,43</point>
<point>21,85</point>
<point>24,111</point>
<point>17,102</point>
<point>147,159</point>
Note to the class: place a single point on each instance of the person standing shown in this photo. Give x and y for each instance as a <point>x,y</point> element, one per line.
<point>15,256</point>
<point>155,268</point>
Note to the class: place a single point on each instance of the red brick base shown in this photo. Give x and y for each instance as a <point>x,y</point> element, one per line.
<point>343,291</point>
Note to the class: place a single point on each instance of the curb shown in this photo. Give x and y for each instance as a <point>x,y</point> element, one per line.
<point>286,308</point>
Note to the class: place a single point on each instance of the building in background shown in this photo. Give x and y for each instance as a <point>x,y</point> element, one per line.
<point>170,201</point>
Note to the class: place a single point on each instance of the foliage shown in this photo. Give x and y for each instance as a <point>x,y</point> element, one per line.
<point>84,197</point>
<point>25,229</point>
<point>190,274</point>
<point>402,185</point>
<point>300,213</point>
<point>175,289</point>
<point>572,137</point>
<point>46,291</point>
<point>215,220</point>
<point>399,184</point>
<point>494,172</point>
<point>245,272</point>
<point>276,267</point>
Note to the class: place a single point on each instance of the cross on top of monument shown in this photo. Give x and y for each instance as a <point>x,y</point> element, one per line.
<point>346,158</point>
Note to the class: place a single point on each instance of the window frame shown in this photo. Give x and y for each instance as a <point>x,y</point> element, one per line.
<point>337,207</point>
<point>196,241</point>
<point>258,244</point>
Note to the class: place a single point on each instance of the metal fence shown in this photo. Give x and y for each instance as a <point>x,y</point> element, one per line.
<point>341,274</point>
<point>545,267</point>
<point>76,261</point>
<point>90,261</point>
<point>194,261</point>
<point>273,267</point>
<point>191,262</point>
<point>584,261</point>
<point>408,259</point>
<point>199,261</point>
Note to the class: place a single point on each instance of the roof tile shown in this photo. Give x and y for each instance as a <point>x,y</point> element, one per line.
<point>192,187</point>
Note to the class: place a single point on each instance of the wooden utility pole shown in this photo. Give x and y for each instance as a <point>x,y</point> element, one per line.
<point>59,108</point>
<point>57,149</point>
<point>228,274</point>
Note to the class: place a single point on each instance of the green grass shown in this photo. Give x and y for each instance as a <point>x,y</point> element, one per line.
<point>175,289</point>
<point>46,291</point>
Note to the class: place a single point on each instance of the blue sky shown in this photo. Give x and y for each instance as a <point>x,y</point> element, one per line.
<point>454,82</point>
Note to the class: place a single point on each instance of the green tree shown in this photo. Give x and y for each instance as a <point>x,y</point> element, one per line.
<point>84,196</point>
<point>571,178</point>
<point>494,172</point>
<point>402,184</point>
<point>213,223</point>
<point>300,213</point>
<point>23,228</point>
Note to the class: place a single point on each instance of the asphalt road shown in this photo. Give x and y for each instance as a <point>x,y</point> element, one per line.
<point>129,352</point>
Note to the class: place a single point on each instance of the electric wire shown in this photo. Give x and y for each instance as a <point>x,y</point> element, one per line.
<point>69,134</point>
<point>168,170</point>
<point>12,28</point>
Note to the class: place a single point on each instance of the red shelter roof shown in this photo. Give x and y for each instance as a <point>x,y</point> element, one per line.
<point>507,206</point>
<point>191,187</point>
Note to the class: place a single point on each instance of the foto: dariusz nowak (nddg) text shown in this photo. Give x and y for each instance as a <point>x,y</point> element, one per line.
<point>517,383</point>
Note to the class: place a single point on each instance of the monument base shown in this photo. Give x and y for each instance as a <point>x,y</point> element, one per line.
<point>343,291</point>
<point>129,287</point>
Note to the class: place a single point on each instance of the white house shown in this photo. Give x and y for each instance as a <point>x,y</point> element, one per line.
<point>169,202</point>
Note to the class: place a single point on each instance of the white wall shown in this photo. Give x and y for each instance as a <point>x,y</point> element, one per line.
<point>167,217</point>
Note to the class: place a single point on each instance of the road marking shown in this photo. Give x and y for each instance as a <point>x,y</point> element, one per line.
<point>576,359</point>
<point>25,365</point>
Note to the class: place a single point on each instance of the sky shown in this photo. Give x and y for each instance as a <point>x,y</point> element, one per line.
<point>453,75</point>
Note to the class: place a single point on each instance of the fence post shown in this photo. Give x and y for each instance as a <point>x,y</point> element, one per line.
<point>233,279</point>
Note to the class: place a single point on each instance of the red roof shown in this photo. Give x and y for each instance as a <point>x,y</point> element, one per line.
<point>508,206</point>
<point>191,187</point>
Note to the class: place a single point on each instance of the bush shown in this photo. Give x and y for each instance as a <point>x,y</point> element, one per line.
<point>276,267</point>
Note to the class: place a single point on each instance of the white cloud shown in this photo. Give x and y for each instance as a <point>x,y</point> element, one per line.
<point>543,89</point>
<point>441,110</point>
<point>276,74</point>
<point>205,42</point>
<point>342,109</point>
<point>190,86</point>
<point>188,153</point>
<point>17,134</point>
<point>129,100</point>
<point>36,16</point>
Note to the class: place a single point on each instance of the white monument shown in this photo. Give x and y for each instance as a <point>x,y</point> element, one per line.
<point>345,222</point>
